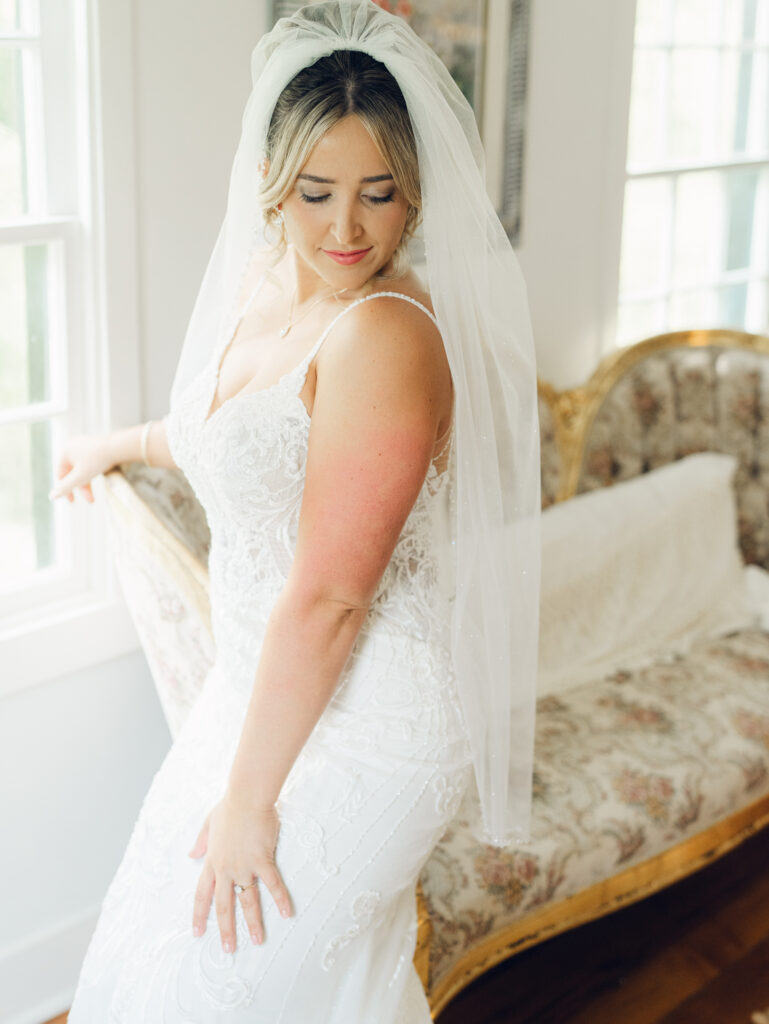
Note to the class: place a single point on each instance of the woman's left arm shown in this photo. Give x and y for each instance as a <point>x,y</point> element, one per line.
<point>374,423</point>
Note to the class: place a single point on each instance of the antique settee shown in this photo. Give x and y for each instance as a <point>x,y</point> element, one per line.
<point>643,774</point>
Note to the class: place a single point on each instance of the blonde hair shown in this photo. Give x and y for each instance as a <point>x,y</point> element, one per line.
<point>342,83</point>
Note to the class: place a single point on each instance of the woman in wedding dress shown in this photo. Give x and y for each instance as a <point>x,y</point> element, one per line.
<point>270,876</point>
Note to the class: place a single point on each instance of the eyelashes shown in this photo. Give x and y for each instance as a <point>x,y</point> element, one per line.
<point>372,199</point>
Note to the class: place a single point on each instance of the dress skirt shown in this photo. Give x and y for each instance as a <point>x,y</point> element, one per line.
<point>368,798</point>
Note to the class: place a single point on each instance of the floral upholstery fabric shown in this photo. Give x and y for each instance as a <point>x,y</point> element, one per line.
<point>694,748</point>
<point>682,400</point>
<point>550,457</point>
<point>168,494</point>
<point>175,638</point>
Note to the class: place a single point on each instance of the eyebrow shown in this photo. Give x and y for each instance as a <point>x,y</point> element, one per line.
<point>331,181</point>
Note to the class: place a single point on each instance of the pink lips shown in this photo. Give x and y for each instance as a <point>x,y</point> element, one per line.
<point>346,258</point>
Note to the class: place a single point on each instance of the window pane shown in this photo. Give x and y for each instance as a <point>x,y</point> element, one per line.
<point>733,302</point>
<point>757,316</point>
<point>646,231</point>
<point>639,320</point>
<point>721,224</point>
<point>741,306</point>
<point>694,310</point>
<point>27,535</point>
<point>13,178</point>
<point>697,21</point>
<point>652,21</point>
<point>25,291</point>
<point>646,128</point>
<point>10,15</point>
<point>746,20</point>
<point>693,99</point>
<point>762,20</point>
<point>699,229</point>
<point>741,191</point>
<point>743,121</point>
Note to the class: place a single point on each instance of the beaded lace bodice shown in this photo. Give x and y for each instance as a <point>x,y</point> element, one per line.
<point>246,463</point>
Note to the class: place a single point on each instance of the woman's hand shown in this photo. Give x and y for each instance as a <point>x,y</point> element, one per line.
<point>240,841</point>
<point>83,457</point>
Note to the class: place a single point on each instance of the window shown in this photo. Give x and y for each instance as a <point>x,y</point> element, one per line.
<point>38,228</point>
<point>695,230</point>
<point>55,568</point>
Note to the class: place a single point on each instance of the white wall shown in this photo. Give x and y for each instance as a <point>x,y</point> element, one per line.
<point>192,80</point>
<point>579,88</point>
<point>82,749</point>
<point>76,757</point>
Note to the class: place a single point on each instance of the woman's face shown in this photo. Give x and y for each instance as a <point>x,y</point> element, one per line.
<point>343,212</point>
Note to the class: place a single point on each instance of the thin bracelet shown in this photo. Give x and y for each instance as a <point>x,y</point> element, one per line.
<point>145,438</point>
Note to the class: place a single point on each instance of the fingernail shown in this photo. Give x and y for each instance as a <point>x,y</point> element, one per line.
<point>197,931</point>
<point>284,911</point>
<point>228,947</point>
<point>256,938</point>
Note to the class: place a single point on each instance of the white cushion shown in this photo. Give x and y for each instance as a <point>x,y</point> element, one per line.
<point>640,569</point>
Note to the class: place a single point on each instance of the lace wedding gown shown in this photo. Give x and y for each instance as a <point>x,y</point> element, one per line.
<point>369,796</point>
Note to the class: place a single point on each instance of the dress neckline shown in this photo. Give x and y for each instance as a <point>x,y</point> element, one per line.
<point>246,392</point>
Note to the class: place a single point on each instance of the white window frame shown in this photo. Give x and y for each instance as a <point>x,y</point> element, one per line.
<point>65,622</point>
<point>670,171</point>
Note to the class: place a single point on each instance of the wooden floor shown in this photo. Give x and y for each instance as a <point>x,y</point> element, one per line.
<point>696,953</point>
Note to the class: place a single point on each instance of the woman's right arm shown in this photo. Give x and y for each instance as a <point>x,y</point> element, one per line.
<point>85,456</point>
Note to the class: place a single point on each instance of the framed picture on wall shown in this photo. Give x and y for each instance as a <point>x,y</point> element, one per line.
<point>484,44</point>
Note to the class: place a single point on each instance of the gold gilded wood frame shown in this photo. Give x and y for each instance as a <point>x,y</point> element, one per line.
<point>574,411</point>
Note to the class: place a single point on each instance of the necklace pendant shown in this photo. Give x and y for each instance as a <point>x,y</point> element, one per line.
<point>284,331</point>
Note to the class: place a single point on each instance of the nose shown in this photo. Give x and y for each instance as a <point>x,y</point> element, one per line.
<point>346,227</point>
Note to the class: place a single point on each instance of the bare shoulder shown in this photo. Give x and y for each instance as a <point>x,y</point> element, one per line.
<point>388,344</point>
<point>391,325</point>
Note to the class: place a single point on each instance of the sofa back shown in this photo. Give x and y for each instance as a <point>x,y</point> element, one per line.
<point>657,401</point>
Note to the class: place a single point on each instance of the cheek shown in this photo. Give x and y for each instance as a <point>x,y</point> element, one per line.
<point>396,220</point>
<point>303,215</point>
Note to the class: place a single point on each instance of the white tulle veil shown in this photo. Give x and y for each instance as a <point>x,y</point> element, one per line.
<point>478,293</point>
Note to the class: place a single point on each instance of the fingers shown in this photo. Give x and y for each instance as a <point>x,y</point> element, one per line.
<point>251,905</point>
<point>221,888</point>
<point>224,899</point>
<point>68,478</point>
<point>272,879</point>
<point>65,487</point>
<point>202,901</point>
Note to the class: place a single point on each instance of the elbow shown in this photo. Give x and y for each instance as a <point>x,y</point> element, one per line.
<point>326,601</point>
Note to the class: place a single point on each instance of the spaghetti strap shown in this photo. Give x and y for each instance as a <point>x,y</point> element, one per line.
<point>314,350</point>
<point>305,364</point>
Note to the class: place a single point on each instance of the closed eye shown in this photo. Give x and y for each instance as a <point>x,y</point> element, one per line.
<point>320,199</point>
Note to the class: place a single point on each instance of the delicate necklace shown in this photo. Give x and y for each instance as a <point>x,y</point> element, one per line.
<point>290,322</point>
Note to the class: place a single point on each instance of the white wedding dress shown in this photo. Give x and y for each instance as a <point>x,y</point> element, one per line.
<point>369,796</point>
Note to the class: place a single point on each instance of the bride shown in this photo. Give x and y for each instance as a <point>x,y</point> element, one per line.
<point>325,406</point>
